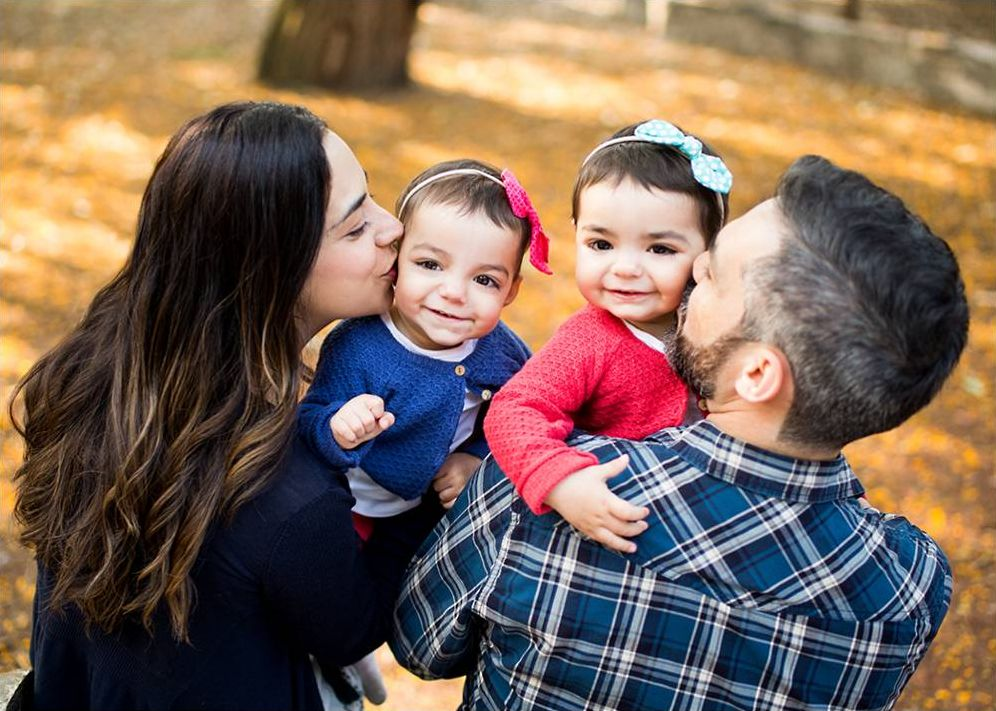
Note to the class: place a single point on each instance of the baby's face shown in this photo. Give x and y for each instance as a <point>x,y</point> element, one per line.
<point>455,274</point>
<point>635,248</point>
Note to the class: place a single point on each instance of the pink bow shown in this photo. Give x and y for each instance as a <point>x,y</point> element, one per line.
<point>522,206</point>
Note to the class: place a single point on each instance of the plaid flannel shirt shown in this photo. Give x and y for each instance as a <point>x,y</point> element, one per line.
<point>761,583</point>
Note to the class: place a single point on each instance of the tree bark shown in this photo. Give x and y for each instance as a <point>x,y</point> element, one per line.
<point>339,44</point>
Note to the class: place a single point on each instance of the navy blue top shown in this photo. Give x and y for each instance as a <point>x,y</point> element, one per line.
<point>425,395</point>
<point>286,579</point>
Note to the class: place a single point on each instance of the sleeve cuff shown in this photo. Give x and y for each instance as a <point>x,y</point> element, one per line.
<point>538,485</point>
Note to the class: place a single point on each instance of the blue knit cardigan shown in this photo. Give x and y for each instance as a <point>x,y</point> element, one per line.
<point>425,395</point>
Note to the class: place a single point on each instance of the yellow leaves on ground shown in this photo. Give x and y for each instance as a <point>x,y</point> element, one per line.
<point>92,89</point>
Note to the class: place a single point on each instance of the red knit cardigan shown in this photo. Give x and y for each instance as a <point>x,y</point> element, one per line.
<point>593,374</point>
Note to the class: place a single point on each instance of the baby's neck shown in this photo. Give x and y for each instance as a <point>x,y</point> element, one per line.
<point>401,326</point>
<point>662,330</point>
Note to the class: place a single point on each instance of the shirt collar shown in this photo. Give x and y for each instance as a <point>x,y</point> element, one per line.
<point>645,338</point>
<point>450,355</point>
<point>708,449</point>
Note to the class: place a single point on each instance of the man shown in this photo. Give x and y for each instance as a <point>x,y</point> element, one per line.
<point>763,580</point>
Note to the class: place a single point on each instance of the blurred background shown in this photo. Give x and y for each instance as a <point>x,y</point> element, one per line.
<point>901,90</point>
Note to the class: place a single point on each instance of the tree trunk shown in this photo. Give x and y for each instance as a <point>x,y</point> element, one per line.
<point>339,44</point>
<point>852,9</point>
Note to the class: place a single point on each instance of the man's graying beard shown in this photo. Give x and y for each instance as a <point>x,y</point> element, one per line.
<point>698,366</point>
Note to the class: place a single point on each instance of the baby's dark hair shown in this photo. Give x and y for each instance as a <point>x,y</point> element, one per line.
<point>469,192</point>
<point>653,165</point>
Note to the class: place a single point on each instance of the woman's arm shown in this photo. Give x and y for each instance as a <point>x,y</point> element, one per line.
<point>330,597</point>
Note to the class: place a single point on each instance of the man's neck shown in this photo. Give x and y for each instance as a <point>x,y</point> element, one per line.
<point>761,430</point>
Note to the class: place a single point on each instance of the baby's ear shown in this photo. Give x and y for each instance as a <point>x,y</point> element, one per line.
<point>514,290</point>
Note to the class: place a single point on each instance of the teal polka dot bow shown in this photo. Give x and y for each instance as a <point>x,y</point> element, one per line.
<point>707,170</point>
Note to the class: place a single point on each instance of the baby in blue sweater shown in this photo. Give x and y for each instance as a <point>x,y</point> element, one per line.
<point>398,399</point>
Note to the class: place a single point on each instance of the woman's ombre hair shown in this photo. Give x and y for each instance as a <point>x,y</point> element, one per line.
<point>170,404</point>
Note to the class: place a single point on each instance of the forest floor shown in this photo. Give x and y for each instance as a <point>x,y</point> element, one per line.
<point>90,91</point>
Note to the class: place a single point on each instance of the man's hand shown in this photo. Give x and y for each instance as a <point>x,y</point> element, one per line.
<point>585,501</point>
<point>359,420</point>
<point>453,476</point>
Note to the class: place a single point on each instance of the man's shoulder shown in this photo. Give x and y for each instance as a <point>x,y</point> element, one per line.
<point>490,487</point>
<point>916,560</point>
<point>645,453</point>
<point>489,483</point>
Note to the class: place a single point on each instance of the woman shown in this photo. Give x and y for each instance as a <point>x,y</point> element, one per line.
<point>190,552</point>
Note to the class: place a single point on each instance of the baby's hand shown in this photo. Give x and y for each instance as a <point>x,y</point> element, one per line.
<point>453,476</point>
<point>359,420</point>
<point>585,501</point>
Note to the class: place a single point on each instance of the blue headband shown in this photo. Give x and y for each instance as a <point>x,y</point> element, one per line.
<point>708,171</point>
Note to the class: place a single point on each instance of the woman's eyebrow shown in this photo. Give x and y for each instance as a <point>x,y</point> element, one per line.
<point>353,207</point>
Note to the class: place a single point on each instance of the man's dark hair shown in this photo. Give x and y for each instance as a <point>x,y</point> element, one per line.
<point>864,300</point>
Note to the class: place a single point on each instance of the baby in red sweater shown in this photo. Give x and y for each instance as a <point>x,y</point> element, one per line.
<point>646,202</point>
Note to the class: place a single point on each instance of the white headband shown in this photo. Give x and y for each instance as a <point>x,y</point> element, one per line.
<point>445,174</point>
<point>612,142</point>
<point>708,171</point>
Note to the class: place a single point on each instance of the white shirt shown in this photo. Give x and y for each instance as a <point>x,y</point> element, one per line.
<point>652,341</point>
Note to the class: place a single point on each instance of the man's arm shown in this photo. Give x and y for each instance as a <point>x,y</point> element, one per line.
<point>435,633</point>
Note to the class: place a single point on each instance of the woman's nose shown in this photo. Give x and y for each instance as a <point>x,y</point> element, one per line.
<point>698,267</point>
<point>391,229</point>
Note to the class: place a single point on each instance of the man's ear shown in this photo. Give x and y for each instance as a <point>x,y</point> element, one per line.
<point>764,374</point>
<point>514,291</point>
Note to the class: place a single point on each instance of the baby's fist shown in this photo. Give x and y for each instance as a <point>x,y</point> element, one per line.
<point>359,420</point>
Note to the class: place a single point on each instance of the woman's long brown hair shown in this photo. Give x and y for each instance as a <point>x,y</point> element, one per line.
<point>171,403</point>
